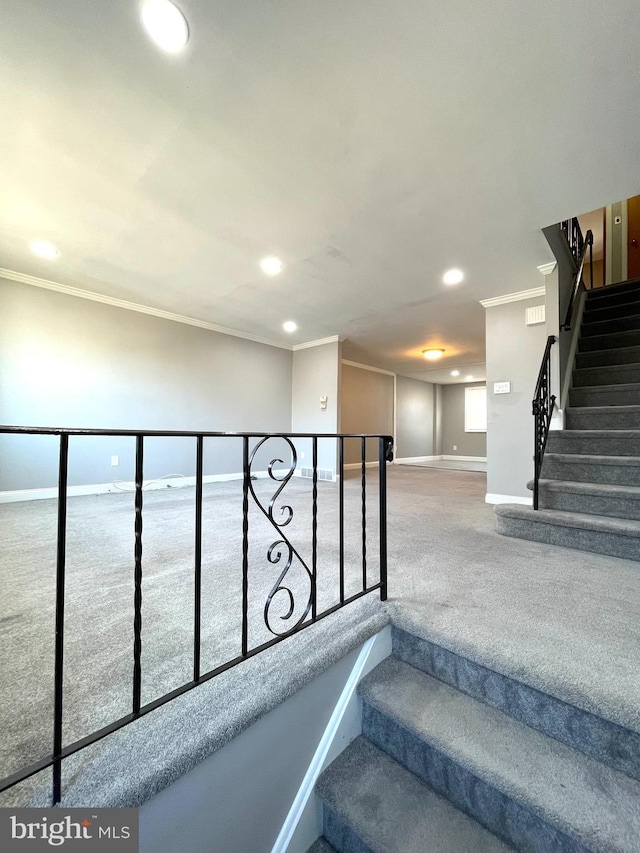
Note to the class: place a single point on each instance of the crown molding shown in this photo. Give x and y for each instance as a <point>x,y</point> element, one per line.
<point>367,367</point>
<point>23,278</point>
<point>334,339</point>
<point>513,297</point>
<point>547,269</point>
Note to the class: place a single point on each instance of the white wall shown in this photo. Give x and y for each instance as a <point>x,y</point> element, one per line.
<point>316,374</point>
<point>514,354</point>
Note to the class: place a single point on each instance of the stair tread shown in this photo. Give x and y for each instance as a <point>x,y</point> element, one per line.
<point>393,811</point>
<point>597,489</point>
<point>581,520</point>
<point>593,459</point>
<point>585,799</point>
<point>321,846</point>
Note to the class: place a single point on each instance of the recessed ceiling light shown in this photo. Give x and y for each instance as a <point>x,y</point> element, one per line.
<point>165,24</point>
<point>453,276</point>
<point>43,249</point>
<point>455,373</point>
<point>433,354</point>
<point>289,326</point>
<point>468,378</point>
<point>271,266</point>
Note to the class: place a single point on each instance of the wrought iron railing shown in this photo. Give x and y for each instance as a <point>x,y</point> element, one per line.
<point>579,246</point>
<point>281,553</point>
<point>543,405</point>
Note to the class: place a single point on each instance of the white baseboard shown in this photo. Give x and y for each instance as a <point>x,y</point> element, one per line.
<point>17,495</point>
<point>464,458</point>
<point>351,465</point>
<point>507,499</point>
<point>300,828</point>
<point>411,460</point>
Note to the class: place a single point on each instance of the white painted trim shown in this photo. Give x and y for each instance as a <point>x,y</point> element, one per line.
<point>334,339</point>
<point>345,724</point>
<point>547,269</point>
<point>18,495</point>
<point>411,460</point>
<point>464,458</point>
<point>507,499</point>
<point>351,465</point>
<point>23,278</point>
<point>518,296</point>
<point>367,367</point>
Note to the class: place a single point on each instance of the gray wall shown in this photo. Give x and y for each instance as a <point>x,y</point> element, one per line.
<point>415,418</point>
<point>72,362</point>
<point>366,407</point>
<point>514,353</point>
<point>237,800</point>
<point>316,373</point>
<point>467,443</point>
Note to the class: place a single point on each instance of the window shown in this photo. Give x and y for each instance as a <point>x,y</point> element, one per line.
<point>475,409</point>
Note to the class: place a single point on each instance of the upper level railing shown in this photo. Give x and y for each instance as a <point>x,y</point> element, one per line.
<point>289,605</point>
<point>579,246</point>
<point>543,405</point>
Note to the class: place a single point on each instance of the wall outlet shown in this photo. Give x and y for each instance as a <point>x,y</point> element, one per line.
<point>455,446</point>
<point>115,461</point>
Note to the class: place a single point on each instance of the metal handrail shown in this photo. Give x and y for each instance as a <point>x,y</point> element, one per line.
<point>542,405</point>
<point>578,246</point>
<point>282,550</point>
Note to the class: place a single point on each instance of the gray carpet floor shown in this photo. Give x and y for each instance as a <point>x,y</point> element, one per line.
<point>566,622</point>
<point>452,465</point>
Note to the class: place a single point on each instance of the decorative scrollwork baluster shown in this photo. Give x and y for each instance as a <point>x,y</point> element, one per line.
<point>281,547</point>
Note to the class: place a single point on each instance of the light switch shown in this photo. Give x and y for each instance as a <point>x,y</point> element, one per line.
<point>501,387</point>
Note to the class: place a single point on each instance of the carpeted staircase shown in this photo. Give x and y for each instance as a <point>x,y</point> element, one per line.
<point>589,493</point>
<point>456,758</point>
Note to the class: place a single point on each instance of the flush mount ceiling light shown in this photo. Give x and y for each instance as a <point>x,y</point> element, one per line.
<point>43,249</point>
<point>433,354</point>
<point>455,373</point>
<point>165,24</point>
<point>468,378</point>
<point>271,266</point>
<point>289,326</point>
<point>453,276</point>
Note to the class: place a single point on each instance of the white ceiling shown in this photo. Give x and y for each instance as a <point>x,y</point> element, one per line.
<point>370,144</point>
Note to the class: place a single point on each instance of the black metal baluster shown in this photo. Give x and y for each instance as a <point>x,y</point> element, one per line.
<point>245,544</point>
<point>197,592</point>
<point>137,595</point>
<point>341,469</point>
<point>382,456</point>
<point>363,454</point>
<point>61,557</point>
<point>314,532</point>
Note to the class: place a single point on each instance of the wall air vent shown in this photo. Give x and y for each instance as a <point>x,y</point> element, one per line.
<point>535,315</point>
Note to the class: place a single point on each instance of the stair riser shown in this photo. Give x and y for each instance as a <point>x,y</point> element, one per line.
<point>600,313</point>
<point>577,472</point>
<point>577,419</point>
<point>601,739</point>
<point>609,341</point>
<point>616,375</point>
<point>340,834</point>
<point>605,397</point>
<point>589,504</point>
<point>609,327</point>
<point>560,442</point>
<point>606,358</point>
<point>597,542</point>
<point>493,809</point>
